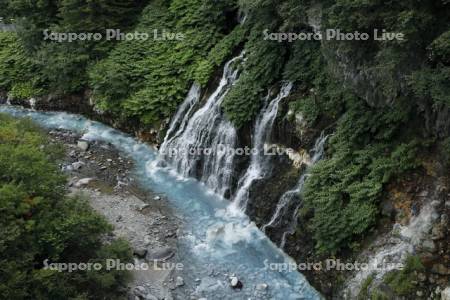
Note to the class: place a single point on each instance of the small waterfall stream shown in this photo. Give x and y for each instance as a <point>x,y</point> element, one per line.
<point>287,199</point>
<point>181,118</point>
<point>260,162</point>
<point>204,144</point>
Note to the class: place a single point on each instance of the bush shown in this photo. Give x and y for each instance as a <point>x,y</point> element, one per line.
<point>344,189</point>
<point>38,222</point>
<point>402,281</point>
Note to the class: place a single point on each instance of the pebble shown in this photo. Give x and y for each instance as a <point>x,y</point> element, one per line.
<point>179,281</point>
<point>83,145</point>
<point>235,282</point>
<point>83,182</point>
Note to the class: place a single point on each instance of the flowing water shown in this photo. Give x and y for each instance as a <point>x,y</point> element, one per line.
<point>181,118</point>
<point>204,145</point>
<point>213,242</point>
<point>260,162</point>
<point>292,197</point>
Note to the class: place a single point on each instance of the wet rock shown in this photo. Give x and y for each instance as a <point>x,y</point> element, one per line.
<point>83,182</point>
<point>235,283</point>
<point>83,145</point>
<point>160,254</point>
<point>179,281</point>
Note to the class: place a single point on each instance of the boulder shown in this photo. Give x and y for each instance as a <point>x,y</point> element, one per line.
<point>140,252</point>
<point>77,165</point>
<point>160,254</point>
<point>235,283</point>
<point>83,182</point>
<point>83,145</point>
<point>179,281</point>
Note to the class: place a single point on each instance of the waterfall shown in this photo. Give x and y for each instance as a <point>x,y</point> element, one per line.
<point>203,146</point>
<point>288,198</point>
<point>181,118</point>
<point>259,162</point>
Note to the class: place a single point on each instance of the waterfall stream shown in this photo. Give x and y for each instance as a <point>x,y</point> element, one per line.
<point>287,200</point>
<point>260,162</point>
<point>204,143</point>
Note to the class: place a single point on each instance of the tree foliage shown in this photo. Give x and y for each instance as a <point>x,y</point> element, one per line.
<point>38,222</point>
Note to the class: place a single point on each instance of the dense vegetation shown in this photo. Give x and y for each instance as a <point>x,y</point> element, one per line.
<point>375,92</point>
<point>38,222</point>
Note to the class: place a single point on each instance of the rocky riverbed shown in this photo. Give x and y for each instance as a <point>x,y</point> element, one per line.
<point>103,175</point>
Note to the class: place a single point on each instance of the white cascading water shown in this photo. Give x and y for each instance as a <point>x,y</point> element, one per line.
<point>259,162</point>
<point>288,197</point>
<point>181,118</point>
<point>203,145</point>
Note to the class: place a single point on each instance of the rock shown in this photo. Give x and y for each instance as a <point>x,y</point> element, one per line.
<point>447,204</point>
<point>428,245</point>
<point>140,252</point>
<point>437,232</point>
<point>261,287</point>
<point>435,203</point>
<point>179,281</point>
<point>140,291</point>
<point>235,283</point>
<point>419,293</point>
<point>440,269</point>
<point>83,182</point>
<point>424,193</point>
<point>160,254</point>
<point>387,209</point>
<point>143,206</point>
<point>157,198</point>
<point>422,277</point>
<point>83,145</point>
<point>445,294</point>
<point>73,153</point>
<point>77,165</point>
<point>444,220</point>
<point>150,297</point>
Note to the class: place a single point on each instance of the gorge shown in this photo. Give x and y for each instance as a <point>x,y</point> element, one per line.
<point>348,141</point>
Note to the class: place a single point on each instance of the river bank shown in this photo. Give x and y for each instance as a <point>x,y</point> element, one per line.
<point>104,176</point>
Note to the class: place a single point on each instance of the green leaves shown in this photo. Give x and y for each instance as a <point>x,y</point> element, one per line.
<point>38,221</point>
<point>344,189</point>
